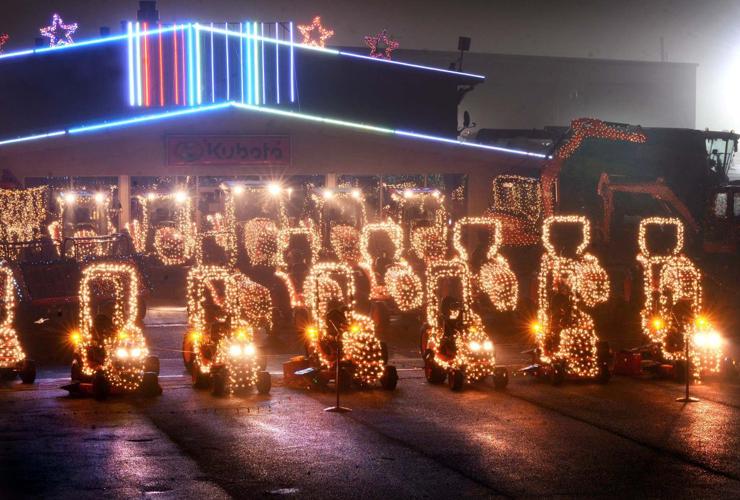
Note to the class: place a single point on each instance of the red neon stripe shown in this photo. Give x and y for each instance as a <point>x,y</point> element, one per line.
<point>147,97</point>
<point>161,69</point>
<point>184,77</point>
<point>176,70</point>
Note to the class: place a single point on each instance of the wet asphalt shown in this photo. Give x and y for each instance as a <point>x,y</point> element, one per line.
<point>628,438</point>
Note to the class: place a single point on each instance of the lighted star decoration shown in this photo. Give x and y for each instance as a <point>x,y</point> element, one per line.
<point>3,40</point>
<point>314,34</point>
<point>59,33</point>
<point>381,45</point>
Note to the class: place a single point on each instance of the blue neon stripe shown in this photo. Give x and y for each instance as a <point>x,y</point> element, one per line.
<point>32,137</point>
<point>198,74</point>
<point>228,82</point>
<point>19,53</point>
<point>139,100</point>
<point>256,67</point>
<point>278,112</point>
<point>191,66</point>
<point>277,66</point>
<point>213,72</point>
<point>148,118</point>
<point>248,63</point>
<point>131,86</point>
<point>241,61</point>
<point>292,65</point>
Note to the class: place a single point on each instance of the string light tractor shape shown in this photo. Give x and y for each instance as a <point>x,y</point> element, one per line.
<point>340,216</point>
<point>517,203</point>
<point>393,283</point>
<point>13,361</point>
<point>173,242</point>
<point>59,33</point>
<point>110,354</point>
<point>292,274</point>
<point>219,348</point>
<point>454,343</point>
<point>426,237</point>
<point>259,232</point>
<point>569,283</point>
<point>364,358</point>
<point>314,34</point>
<point>91,236</point>
<point>671,280</point>
<point>495,278</point>
<point>22,213</point>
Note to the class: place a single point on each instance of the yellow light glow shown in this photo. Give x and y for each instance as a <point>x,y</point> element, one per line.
<point>274,188</point>
<point>75,338</point>
<point>238,190</point>
<point>181,196</point>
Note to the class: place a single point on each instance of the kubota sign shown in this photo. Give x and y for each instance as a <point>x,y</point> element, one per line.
<point>194,150</point>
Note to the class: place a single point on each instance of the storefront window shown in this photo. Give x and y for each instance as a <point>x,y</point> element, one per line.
<point>370,186</point>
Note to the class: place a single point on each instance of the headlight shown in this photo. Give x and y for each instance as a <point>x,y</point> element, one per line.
<point>135,352</point>
<point>475,346</point>
<point>488,345</point>
<point>657,323</point>
<point>235,350</point>
<point>536,327</point>
<point>121,353</point>
<point>710,339</point>
<point>249,349</point>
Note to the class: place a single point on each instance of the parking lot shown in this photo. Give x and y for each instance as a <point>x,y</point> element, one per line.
<point>626,438</point>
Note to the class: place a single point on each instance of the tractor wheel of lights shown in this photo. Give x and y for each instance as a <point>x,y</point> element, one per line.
<point>389,380</point>
<point>456,379</point>
<point>264,382</point>
<point>433,373</point>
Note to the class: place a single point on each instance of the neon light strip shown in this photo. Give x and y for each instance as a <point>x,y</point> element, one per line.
<point>241,61</point>
<point>176,69</point>
<point>147,96</point>
<point>161,71</point>
<point>226,32</point>
<point>292,65</point>
<point>131,88</point>
<point>277,66</point>
<point>32,137</point>
<point>262,48</point>
<point>256,67</point>
<point>278,112</point>
<point>16,54</point>
<point>138,66</point>
<point>184,67</point>
<point>213,72</point>
<point>248,50</point>
<point>191,65</point>
<point>272,40</point>
<point>198,74</point>
<point>147,118</point>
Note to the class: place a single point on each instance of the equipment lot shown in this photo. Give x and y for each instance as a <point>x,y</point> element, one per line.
<point>625,438</point>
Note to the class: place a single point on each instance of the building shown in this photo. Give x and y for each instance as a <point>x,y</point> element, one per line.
<point>200,104</point>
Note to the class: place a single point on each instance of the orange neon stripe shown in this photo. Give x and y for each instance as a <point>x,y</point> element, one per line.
<point>147,99</point>
<point>176,71</point>
<point>161,70</point>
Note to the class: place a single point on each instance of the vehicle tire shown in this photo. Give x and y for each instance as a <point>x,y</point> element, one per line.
<point>604,373</point>
<point>433,373</point>
<point>100,387</point>
<point>500,378</point>
<point>384,352</point>
<point>456,379</point>
<point>200,380</point>
<point>424,339</point>
<point>151,364</point>
<point>28,371</point>
<point>220,384</point>
<point>187,353</point>
<point>389,380</point>
<point>381,317</point>
<point>264,382</point>
<point>557,374</point>
<point>75,372</point>
<point>150,385</point>
<point>345,379</point>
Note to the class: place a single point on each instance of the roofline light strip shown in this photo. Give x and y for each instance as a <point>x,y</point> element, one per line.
<point>278,112</point>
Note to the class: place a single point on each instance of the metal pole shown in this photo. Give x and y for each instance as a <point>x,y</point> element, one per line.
<point>687,398</point>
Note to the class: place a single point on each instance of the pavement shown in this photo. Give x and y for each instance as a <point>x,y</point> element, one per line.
<point>628,438</point>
